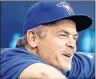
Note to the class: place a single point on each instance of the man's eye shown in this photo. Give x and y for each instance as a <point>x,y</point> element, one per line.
<point>75,38</point>
<point>63,35</point>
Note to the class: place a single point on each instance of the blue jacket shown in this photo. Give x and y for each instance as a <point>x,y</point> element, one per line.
<point>14,61</point>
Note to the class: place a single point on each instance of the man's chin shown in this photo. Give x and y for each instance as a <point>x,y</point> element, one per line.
<point>66,67</point>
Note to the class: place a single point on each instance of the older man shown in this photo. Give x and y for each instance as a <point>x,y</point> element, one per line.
<point>47,50</point>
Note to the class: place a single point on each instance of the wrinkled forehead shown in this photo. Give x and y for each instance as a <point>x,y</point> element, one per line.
<point>64,24</point>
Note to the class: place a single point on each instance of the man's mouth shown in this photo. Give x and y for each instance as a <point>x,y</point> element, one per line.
<point>67,55</point>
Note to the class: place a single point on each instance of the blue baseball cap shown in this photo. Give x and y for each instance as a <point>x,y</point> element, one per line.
<point>49,11</point>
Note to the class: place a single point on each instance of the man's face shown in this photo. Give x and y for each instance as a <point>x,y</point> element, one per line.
<point>59,44</point>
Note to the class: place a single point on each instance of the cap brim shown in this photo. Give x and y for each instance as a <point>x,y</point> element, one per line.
<point>82,21</point>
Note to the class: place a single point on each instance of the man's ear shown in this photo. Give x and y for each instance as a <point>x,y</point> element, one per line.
<point>31,38</point>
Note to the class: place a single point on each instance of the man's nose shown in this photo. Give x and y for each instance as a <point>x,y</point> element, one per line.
<point>71,42</point>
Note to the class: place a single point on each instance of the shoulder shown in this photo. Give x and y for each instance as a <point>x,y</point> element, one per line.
<point>12,51</point>
<point>83,65</point>
<point>84,56</point>
<point>15,60</point>
<point>16,53</point>
<point>84,61</point>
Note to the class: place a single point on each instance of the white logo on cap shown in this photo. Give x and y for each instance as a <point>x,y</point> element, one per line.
<point>66,6</point>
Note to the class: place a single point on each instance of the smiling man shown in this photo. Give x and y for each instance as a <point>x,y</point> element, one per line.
<point>58,40</point>
<point>47,50</point>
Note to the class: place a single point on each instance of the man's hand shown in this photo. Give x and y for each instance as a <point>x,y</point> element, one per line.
<point>40,70</point>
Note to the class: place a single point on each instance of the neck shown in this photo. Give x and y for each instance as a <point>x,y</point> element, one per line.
<point>32,50</point>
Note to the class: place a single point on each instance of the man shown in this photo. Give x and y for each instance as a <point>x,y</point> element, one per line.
<point>47,49</point>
